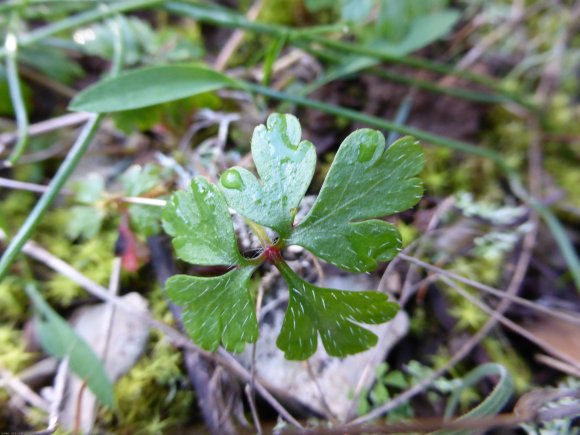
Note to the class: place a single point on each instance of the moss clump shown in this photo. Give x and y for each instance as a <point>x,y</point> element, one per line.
<point>92,258</point>
<point>447,172</point>
<point>13,300</point>
<point>155,395</point>
<point>14,356</point>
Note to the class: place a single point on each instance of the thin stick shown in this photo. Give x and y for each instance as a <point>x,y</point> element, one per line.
<point>22,185</point>
<point>40,188</point>
<point>143,201</point>
<point>558,365</point>
<point>11,46</point>
<point>47,126</point>
<point>253,409</point>
<point>251,387</point>
<point>327,411</point>
<point>236,38</point>
<point>11,382</point>
<point>59,389</point>
<point>501,294</point>
<point>512,325</point>
<point>470,344</point>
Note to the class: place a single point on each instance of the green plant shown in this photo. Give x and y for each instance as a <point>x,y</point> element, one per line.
<point>364,182</point>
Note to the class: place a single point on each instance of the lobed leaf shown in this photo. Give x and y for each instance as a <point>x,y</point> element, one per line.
<point>364,182</point>
<point>334,314</point>
<point>201,226</point>
<point>216,309</point>
<point>285,166</point>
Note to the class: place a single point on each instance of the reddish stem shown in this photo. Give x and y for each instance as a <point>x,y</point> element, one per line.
<point>273,254</point>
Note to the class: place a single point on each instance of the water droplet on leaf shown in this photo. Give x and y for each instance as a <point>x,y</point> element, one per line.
<point>232,179</point>
<point>366,151</point>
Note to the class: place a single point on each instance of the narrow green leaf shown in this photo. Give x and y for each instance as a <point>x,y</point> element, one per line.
<point>428,28</point>
<point>285,165</point>
<point>148,86</point>
<point>60,340</point>
<point>491,405</point>
<point>217,309</point>
<point>201,226</point>
<point>334,314</point>
<point>364,182</point>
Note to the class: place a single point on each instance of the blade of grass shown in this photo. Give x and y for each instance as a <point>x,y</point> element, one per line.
<point>56,184</point>
<point>16,4</point>
<point>228,18</point>
<point>402,115</point>
<point>465,94</point>
<point>61,341</point>
<point>383,124</point>
<point>11,47</point>
<point>64,171</point>
<point>80,19</point>
<point>491,405</point>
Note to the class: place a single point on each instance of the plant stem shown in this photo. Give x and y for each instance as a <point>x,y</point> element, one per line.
<point>64,171</point>
<point>228,18</point>
<point>11,47</point>
<point>383,124</point>
<point>56,184</point>
<point>259,231</point>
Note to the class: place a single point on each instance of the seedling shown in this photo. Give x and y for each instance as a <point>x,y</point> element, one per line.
<point>365,182</point>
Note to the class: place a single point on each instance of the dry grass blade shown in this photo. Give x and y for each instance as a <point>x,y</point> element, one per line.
<point>513,326</point>
<point>469,345</point>
<point>568,317</point>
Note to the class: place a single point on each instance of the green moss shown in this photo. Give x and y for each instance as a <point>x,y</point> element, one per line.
<point>14,208</point>
<point>13,300</point>
<point>154,395</point>
<point>447,172</point>
<point>469,317</point>
<point>280,12</point>
<point>92,258</point>
<point>408,233</point>
<point>159,307</point>
<point>254,45</point>
<point>567,176</point>
<point>13,357</point>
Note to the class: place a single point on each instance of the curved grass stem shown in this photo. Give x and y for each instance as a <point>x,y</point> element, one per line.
<point>228,18</point>
<point>64,171</point>
<point>11,47</point>
<point>57,183</point>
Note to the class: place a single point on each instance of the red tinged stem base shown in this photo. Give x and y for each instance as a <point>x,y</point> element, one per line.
<point>272,253</point>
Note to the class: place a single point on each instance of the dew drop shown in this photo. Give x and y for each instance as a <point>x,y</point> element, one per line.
<point>366,151</point>
<point>232,179</point>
